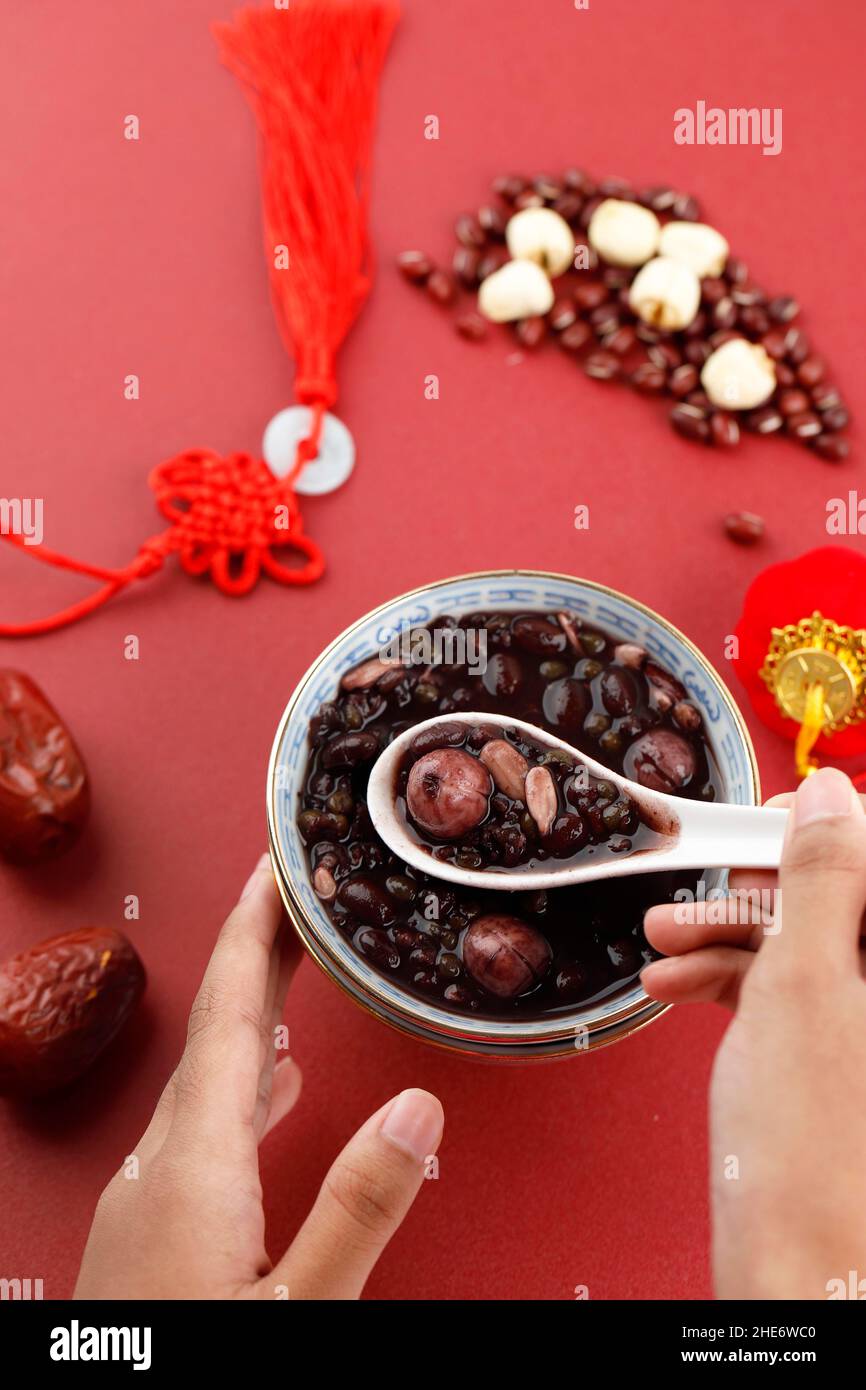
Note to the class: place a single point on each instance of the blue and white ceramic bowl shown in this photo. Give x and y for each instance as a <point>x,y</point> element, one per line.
<point>563,1034</point>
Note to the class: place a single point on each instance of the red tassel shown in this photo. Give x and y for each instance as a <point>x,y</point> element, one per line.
<point>311,73</point>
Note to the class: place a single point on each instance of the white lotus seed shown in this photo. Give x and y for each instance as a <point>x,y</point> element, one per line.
<point>518,290</point>
<point>739,375</point>
<point>665,293</point>
<point>696,245</point>
<point>542,236</point>
<point>623,233</point>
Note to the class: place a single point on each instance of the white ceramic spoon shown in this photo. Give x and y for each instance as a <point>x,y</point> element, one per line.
<point>693,834</point>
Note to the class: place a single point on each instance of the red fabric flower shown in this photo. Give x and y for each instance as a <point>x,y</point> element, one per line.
<point>832,580</point>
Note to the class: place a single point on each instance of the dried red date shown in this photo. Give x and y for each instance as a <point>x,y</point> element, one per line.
<point>61,1004</point>
<point>44,789</point>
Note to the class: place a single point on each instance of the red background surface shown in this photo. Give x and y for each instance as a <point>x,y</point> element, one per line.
<point>145,257</point>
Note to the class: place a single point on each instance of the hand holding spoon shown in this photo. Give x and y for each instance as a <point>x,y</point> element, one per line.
<point>684,834</point>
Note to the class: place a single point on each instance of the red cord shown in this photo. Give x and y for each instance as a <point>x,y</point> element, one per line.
<point>228,518</point>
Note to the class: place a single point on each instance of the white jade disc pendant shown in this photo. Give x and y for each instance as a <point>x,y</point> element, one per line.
<point>336,457</point>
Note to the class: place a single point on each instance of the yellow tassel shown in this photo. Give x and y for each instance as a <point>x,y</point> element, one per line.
<point>810,731</point>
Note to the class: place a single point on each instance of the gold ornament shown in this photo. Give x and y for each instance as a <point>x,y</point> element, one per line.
<point>816,671</point>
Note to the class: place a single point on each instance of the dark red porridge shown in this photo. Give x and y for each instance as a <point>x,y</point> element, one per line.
<point>496,953</point>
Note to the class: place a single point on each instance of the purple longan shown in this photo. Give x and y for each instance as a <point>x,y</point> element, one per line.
<point>505,956</point>
<point>448,792</point>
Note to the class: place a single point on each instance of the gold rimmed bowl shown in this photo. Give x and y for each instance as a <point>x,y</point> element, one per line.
<point>567,1032</point>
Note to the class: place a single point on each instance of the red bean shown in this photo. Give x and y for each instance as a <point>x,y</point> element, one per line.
<point>471,325</point>
<point>509,186</point>
<point>602,365</point>
<point>548,187</point>
<point>348,750</point>
<point>531,332</point>
<point>469,231</point>
<point>491,220</point>
<point>714,290</point>
<point>811,372</point>
<point>746,528</point>
<point>562,315</point>
<point>566,703</point>
<point>774,343</point>
<point>566,836</point>
<point>725,429</point>
<point>665,354</point>
<point>796,346</point>
<point>605,319</point>
<point>440,736</point>
<point>579,181</point>
<point>686,208</point>
<point>783,309</point>
<point>378,947</point>
<point>754,320</point>
<point>765,421</point>
<point>826,397</point>
<point>441,287</point>
<point>663,682</point>
<point>621,341</point>
<point>539,636</point>
<point>747,296</point>
<point>317,827</point>
<point>589,208</point>
<point>835,419</point>
<point>793,402</point>
<point>590,295</point>
<point>690,421</point>
<point>503,676</point>
<point>569,206</point>
<point>367,900</point>
<point>682,380</point>
<point>648,377</point>
<point>687,716</point>
<point>660,199</point>
<point>618,691</point>
<point>725,314</point>
<point>575,337</point>
<point>415,265</point>
<point>833,447</point>
<point>465,266</point>
<point>491,261</point>
<point>805,425</point>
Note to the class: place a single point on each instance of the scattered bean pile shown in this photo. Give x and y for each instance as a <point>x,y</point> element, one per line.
<point>499,800</point>
<point>630,314</point>
<point>552,949</point>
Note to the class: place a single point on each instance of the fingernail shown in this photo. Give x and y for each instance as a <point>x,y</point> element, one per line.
<point>824,795</point>
<point>414,1124</point>
<point>264,862</point>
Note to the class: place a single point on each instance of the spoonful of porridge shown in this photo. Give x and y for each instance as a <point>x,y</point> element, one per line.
<point>493,802</point>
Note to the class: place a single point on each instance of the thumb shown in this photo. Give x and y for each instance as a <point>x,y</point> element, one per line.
<point>362,1201</point>
<point>822,877</point>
